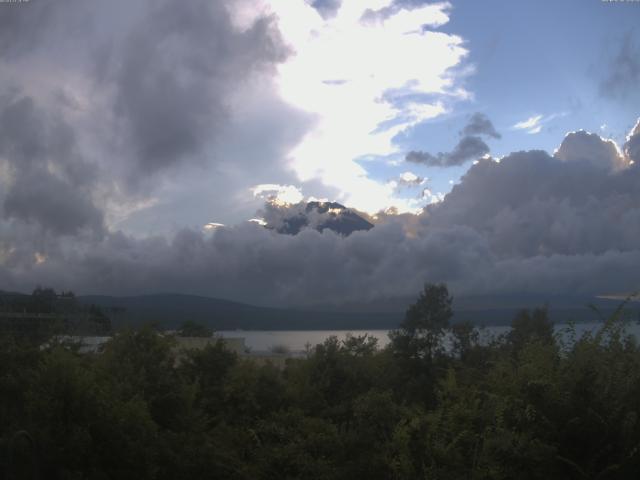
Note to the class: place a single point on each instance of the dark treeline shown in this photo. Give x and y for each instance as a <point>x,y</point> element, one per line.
<point>526,405</point>
<point>44,313</point>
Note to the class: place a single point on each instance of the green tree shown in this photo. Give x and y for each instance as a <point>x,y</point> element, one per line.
<point>421,332</point>
<point>531,326</point>
<point>465,340</point>
<point>360,345</point>
<point>43,300</point>
<point>189,328</point>
<point>143,363</point>
<point>209,370</point>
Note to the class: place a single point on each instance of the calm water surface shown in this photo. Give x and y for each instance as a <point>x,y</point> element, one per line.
<point>295,340</point>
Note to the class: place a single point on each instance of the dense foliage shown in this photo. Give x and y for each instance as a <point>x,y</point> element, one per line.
<point>45,313</point>
<point>436,403</point>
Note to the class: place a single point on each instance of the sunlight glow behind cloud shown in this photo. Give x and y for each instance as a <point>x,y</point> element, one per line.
<point>365,80</point>
<point>280,194</point>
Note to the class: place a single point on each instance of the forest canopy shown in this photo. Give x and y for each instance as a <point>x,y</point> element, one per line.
<point>527,404</point>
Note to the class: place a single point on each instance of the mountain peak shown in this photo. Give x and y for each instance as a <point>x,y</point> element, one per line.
<point>320,216</point>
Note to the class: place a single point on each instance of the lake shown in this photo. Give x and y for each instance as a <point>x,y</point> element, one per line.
<point>295,340</point>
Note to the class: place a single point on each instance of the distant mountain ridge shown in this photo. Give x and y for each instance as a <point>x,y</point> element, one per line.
<point>170,310</point>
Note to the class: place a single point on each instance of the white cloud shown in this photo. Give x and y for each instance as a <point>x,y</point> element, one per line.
<point>590,147</point>
<point>211,226</point>
<point>283,194</point>
<point>411,179</point>
<point>531,124</point>
<point>342,71</point>
<point>532,223</point>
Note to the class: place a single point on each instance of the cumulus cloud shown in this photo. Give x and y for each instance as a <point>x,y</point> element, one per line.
<point>534,204</point>
<point>590,147</point>
<point>470,146</point>
<point>410,179</point>
<point>531,223</point>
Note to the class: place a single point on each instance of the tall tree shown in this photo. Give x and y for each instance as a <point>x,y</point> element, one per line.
<point>421,332</point>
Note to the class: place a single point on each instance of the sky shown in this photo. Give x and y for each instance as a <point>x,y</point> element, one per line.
<point>494,145</point>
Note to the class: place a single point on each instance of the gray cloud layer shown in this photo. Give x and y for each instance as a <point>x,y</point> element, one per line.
<point>51,182</point>
<point>530,223</point>
<point>25,26</point>
<point>469,147</point>
<point>175,73</point>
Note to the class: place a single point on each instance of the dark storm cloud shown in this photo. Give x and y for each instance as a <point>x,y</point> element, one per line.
<point>529,223</point>
<point>51,182</point>
<point>175,73</point>
<point>52,203</point>
<point>469,147</point>
<point>533,204</point>
<point>251,263</point>
<point>623,72</point>
<point>25,26</point>
<point>24,23</point>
